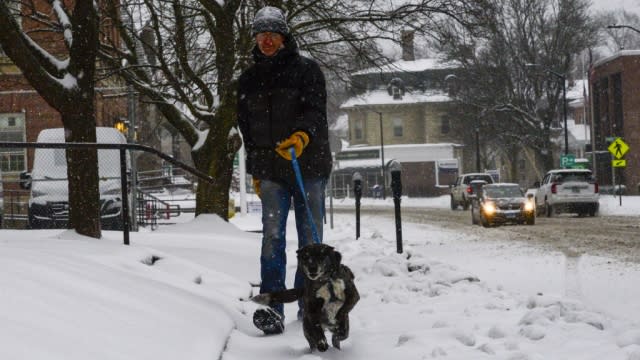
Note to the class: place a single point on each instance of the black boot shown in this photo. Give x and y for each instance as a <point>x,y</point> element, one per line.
<point>269,321</point>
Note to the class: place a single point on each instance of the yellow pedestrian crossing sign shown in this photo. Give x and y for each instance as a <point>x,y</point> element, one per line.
<point>618,163</point>
<point>618,148</point>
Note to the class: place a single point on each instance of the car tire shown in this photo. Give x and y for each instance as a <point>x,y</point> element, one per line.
<point>454,205</point>
<point>548,209</point>
<point>484,221</point>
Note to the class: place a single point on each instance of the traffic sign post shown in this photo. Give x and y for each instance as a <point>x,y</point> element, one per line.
<point>618,148</point>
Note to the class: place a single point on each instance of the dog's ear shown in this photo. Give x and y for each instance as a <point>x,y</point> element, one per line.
<point>337,257</point>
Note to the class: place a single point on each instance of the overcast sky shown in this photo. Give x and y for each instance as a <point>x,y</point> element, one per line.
<point>629,5</point>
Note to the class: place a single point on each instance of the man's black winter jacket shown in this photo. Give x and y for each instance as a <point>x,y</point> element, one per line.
<point>277,96</point>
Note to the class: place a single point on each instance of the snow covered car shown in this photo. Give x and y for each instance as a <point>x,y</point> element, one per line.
<point>49,202</point>
<point>502,203</point>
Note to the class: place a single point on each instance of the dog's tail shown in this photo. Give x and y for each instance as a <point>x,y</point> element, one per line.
<point>278,297</point>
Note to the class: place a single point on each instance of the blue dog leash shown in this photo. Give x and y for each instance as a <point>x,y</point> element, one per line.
<point>296,169</point>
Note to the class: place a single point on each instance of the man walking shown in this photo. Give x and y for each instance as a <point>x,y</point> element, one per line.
<point>282,105</point>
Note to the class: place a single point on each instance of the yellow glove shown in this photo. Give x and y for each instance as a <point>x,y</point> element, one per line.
<point>256,186</point>
<point>298,140</point>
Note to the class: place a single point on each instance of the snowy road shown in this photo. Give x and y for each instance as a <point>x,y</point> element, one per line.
<point>616,237</point>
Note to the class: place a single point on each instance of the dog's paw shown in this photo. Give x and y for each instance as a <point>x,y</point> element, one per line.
<point>322,345</point>
<point>342,332</point>
<point>335,341</point>
<point>262,299</point>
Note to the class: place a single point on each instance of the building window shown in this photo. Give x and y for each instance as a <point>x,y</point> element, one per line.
<point>12,128</point>
<point>445,124</point>
<point>358,129</point>
<point>398,128</point>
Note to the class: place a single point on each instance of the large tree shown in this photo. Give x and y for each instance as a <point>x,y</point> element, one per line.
<point>189,66</point>
<point>64,78</point>
<point>514,100</point>
<point>624,34</point>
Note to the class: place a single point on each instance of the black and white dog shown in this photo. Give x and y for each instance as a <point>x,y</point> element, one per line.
<point>328,295</point>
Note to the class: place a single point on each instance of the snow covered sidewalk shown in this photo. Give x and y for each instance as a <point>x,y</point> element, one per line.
<point>178,293</point>
<point>416,307</point>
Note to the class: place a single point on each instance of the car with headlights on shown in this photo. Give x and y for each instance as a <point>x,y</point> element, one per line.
<point>502,203</point>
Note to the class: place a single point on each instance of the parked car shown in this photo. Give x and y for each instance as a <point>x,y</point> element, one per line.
<point>568,191</point>
<point>49,201</point>
<point>461,191</point>
<point>502,203</point>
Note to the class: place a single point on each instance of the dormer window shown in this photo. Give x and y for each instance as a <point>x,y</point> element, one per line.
<point>451,84</point>
<point>396,88</point>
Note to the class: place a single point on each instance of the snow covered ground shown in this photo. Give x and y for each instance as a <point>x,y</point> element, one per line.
<point>179,293</point>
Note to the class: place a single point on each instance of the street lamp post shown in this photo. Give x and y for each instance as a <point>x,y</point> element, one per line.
<point>477,145</point>
<point>614,26</point>
<point>384,181</point>
<point>564,103</point>
<point>384,178</point>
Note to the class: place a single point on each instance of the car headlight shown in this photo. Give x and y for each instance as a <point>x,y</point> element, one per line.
<point>489,208</point>
<point>528,206</point>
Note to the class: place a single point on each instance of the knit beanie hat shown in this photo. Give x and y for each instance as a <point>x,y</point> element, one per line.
<point>269,19</point>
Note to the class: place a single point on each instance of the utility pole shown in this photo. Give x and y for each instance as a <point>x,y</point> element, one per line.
<point>131,138</point>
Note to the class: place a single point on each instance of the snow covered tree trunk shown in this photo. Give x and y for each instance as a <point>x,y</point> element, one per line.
<point>66,82</point>
<point>215,158</point>
<point>82,171</point>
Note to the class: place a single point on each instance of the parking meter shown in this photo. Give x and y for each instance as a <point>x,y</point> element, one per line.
<point>396,187</point>
<point>357,190</point>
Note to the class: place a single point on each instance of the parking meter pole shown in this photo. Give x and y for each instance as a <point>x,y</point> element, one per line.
<point>331,201</point>
<point>620,187</point>
<point>396,188</point>
<point>125,194</point>
<point>357,190</point>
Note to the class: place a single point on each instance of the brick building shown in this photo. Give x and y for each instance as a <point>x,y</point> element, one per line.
<point>615,85</point>
<point>23,113</point>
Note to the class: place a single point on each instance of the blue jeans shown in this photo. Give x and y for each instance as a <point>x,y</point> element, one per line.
<point>276,201</point>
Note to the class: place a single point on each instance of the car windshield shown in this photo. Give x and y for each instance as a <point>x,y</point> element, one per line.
<point>470,178</point>
<point>575,176</point>
<point>503,191</point>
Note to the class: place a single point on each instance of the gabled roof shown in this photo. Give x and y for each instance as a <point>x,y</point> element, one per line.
<point>615,56</point>
<point>382,97</point>
<point>409,66</point>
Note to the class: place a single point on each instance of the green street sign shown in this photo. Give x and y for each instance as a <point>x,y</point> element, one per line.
<point>567,161</point>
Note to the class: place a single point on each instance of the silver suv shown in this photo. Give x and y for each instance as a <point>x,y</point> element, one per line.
<point>462,191</point>
<point>568,191</point>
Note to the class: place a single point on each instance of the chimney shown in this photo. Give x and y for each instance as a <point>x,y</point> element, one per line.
<point>406,40</point>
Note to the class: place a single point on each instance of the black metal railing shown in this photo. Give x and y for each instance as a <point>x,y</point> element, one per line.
<point>15,210</point>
